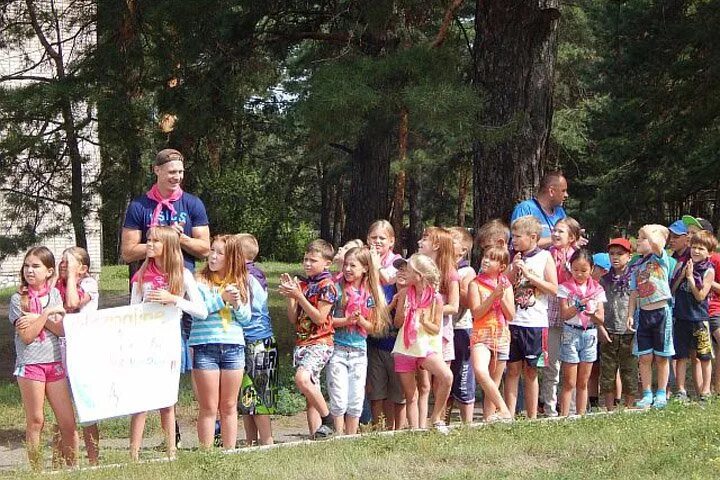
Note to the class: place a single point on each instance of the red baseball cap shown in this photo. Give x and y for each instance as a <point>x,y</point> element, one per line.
<point>621,242</point>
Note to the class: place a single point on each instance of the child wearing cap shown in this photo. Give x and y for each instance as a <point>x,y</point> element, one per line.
<point>650,292</point>
<point>616,340</point>
<point>691,334</point>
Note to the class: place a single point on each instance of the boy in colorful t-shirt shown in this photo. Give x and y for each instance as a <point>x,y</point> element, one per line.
<point>309,308</point>
<point>650,291</point>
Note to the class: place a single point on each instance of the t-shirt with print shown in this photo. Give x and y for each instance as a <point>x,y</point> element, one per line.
<point>46,346</point>
<point>617,291</point>
<point>189,211</point>
<point>306,331</point>
<point>651,279</point>
<point>532,207</point>
<point>565,291</point>
<point>713,296</point>
<point>530,302</point>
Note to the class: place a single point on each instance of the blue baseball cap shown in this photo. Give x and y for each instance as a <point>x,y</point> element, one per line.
<point>678,227</point>
<point>602,260</point>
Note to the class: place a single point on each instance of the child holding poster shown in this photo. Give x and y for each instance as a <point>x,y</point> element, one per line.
<point>162,278</point>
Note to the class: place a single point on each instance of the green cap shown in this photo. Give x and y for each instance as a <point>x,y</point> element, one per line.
<point>691,221</point>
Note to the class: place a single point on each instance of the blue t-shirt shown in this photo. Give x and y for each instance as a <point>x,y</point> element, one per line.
<point>349,336</point>
<point>651,279</point>
<point>532,207</point>
<point>687,307</point>
<point>188,209</point>
<point>260,326</point>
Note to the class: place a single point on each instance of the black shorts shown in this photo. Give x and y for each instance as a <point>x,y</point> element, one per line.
<point>654,333</point>
<point>692,336</point>
<point>527,343</point>
<point>714,324</point>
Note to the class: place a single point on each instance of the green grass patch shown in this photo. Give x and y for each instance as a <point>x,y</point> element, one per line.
<point>679,442</point>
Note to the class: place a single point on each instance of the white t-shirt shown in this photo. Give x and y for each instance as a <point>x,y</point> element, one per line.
<point>90,286</point>
<point>530,302</point>
<point>192,303</point>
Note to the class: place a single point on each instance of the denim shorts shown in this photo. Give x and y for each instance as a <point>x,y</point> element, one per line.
<point>578,345</point>
<point>219,356</point>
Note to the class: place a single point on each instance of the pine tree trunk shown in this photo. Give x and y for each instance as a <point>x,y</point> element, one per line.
<point>416,225</point>
<point>514,68</point>
<point>326,197</point>
<point>398,206</point>
<point>463,188</point>
<point>368,195</point>
<point>339,213</point>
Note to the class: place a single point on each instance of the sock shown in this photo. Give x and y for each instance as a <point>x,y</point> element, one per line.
<point>661,394</point>
<point>327,420</point>
<point>647,395</point>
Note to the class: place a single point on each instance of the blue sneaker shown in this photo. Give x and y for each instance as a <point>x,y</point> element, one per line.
<point>660,401</point>
<point>645,402</point>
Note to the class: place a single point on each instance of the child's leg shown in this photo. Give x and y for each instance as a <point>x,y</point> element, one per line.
<point>497,371</point>
<point>58,394</point>
<point>609,370</point>
<point>207,385</point>
<point>696,371</point>
<point>531,390</point>
<point>400,415</point>
<point>264,429</point>
<point>33,398</point>
<point>645,363</point>
<point>551,372</point>
<point>338,386</point>
<point>663,372</point>
<point>440,370</point>
<point>423,388</point>
<point>167,421</point>
<point>680,374</point>
<point>706,375</point>
<point>569,381</point>
<point>251,429</point>
<point>137,427</point>
<point>313,395</point>
<point>480,358</point>
<point>91,437</point>
<point>230,381</point>
<point>357,375</point>
<point>584,371</point>
<point>409,386</point>
<point>512,378</point>
<point>716,336</point>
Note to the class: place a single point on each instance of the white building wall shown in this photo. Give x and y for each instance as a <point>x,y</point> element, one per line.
<point>14,60</point>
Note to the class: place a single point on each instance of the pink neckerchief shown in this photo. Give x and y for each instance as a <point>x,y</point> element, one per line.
<point>388,259</point>
<point>562,262</point>
<point>412,305</point>
<point>492,283</point>
<point>593,288</point>
<point>34,304</point>
<point>152,275</point>
<point>154,194</point>
<point>61,285</point>
<point>357,301</point>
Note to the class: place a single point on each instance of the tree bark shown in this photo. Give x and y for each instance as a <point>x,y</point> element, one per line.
<point>339,213</point>
<point>370,174</point>
<point>398,206</point>
<point>416,225</point>
<point>325,203</point>
<point>514,68</point>
<point>463,189</point>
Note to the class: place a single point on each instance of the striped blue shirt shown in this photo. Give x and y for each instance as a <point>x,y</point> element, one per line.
<point>211,330</point>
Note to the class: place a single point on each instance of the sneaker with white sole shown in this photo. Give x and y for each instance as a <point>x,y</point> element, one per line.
<point>323,432</point>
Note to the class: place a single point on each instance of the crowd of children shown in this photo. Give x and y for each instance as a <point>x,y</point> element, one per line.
<point>391,332</point>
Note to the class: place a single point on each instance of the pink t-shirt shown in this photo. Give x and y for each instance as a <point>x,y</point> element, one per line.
<point>714,298</point>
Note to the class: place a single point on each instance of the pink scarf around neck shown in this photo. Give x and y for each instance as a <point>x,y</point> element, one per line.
<point>562,262</point>
<point>592,289</point>
<point>412,305</point>
<point>152,275</point>
<point>492,283</point>
<point>35,305</point>
<point>154,194</point>
<point>357,301</point>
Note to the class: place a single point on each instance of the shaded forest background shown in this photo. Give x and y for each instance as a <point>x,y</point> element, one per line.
<point>299,117</point>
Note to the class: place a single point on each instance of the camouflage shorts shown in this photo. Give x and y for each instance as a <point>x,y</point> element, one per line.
<point>614,356</point>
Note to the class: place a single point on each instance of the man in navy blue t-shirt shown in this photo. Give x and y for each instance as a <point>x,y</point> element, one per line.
<point>546,206</point>
<point>189,217</point>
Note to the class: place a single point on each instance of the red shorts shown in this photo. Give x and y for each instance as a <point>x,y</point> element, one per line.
<point>42,372</point>
<point>407,364</point>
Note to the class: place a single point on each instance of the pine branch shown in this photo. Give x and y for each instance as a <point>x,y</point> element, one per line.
<point>449,14</point>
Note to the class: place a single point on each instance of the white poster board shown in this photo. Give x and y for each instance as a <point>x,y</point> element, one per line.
<point>123,360</point>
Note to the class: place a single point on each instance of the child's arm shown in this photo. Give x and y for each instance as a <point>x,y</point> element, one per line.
<point>657,242</point>
<point>700,294</point>
<point>678,280</point>
<point>193,305</point>
<point>507,303</point>
<point>598,316</point>
<point>286,287</point>
<point>292,310</point>
<point>452,306</point>
<point>434,324</point>
<point>632,305</point>
<point>464,285</point>
<point>567,311</point>
<point>480,306</point>
<point>399,299</point>
<point>73,299</point>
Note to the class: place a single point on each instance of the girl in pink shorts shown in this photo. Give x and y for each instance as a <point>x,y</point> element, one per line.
<point>419,342</point>
<point>36,313</point>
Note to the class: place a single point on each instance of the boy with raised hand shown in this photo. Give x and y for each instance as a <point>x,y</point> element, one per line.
<point>650,291</point>
<point>616,340</point>
<point>691,334</point>
<point>534,278</point>
<point>309,308</point>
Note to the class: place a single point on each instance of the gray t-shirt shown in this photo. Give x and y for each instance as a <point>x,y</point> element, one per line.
<point>39,351</point>
<point>616,307</point>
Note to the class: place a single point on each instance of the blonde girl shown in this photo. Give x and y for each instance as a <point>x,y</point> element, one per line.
<point>218,341</point>
<point>80,293</point>
<point>360,310</point>
<point>383,384</point>
<point>338,260</point>
<point>36,313</point>
<point>419,342</point>
<point>162,278</point>
<point>491,301</point>
<point>564,236</point>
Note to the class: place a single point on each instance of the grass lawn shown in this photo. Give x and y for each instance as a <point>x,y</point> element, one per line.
<point>679,442</point>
